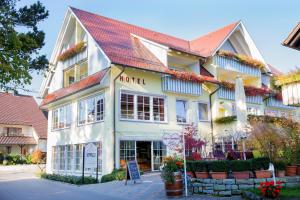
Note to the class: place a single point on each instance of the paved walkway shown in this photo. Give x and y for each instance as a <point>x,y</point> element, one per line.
<point>24,186</point>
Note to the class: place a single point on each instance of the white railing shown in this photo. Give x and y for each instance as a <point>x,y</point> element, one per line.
<point>272,102</point>
<point>235,65</point>
<point>170,84</point>
<point>75,59</point>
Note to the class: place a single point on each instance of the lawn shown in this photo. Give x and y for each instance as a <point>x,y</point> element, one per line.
<point>286,193</point>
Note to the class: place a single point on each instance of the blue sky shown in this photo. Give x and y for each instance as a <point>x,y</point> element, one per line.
<point>267,21</point>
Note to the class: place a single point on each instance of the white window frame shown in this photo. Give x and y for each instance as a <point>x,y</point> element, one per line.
<point>208,111</point>
<point>68,115</point>
<point>135,117</point>
<point>85,100</point>
<point>186,111</point>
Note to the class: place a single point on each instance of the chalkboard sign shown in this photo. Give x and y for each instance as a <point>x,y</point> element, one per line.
<point>133,172</point>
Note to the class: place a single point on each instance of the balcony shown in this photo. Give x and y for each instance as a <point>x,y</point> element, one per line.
<point>224,93</point>
<point>75,59</point>
<point>235,65</point>
<point>272,102</point>
<point>170,84</point>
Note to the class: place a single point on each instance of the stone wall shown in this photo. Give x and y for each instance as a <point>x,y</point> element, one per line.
<point>229,187</point>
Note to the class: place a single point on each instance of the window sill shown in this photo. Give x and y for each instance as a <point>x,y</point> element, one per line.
<point>60,129</point>
<point>90,123</point>
<point>144,121</point>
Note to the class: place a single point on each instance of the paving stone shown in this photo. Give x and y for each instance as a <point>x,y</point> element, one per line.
<point>199,180</point>
<point>219,187</point>
<point>236,192</point>
<point>225,193</point>
<point>229,181</point>
<point>282,179</point>
<point>258,180</point>
<point>197,184</point>
<point>291,179</point>
<point>243,186</point>
<point>208,191</point>
<point>292,184</point>
<point>206,180</point>
<point>207,184</point>
<point>245,181</point>
<point>196,190</point>
<point>231,187</point>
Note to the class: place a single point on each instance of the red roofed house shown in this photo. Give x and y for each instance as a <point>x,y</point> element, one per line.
<point>23,126</point>
<point>123,88</point>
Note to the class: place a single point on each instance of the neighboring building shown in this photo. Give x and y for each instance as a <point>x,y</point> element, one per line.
<point>127,86</point>
<point>23,126</point>
<point>293,39</point>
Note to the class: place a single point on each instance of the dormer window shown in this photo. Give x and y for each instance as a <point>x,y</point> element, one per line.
<point>75,73</point>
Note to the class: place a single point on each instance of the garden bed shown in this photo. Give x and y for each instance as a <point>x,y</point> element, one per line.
<point>76,180</point>
<point>291,193</point>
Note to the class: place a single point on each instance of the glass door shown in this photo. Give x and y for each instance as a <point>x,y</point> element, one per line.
<point>158,153</point>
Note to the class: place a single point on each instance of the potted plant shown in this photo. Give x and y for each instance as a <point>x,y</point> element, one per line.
<point>171,175</point>
<point>200,169</point>
<point>290,158</point>
<point>279,168</point>
<point>260,167</point>
<point>269,189</point>
<point>219,169</point>
<point>241,169</point>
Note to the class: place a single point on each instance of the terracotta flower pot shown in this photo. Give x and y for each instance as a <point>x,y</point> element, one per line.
<point>298,169</point>
<point>219,175</point>
<point>291,170</point>
<point>191,174</point>
<point>201,174</point>
<point>280,173</point>
<point>263,174</point>
<point>175,189</point>
<point>241,175</point>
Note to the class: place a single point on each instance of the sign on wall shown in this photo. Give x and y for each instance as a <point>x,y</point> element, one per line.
<point>90,156</point>
<point>133,80</point>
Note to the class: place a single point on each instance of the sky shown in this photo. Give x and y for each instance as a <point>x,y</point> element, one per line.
<point>269,22</point>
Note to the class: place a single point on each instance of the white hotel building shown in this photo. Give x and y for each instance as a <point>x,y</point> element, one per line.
<point>113,84</point>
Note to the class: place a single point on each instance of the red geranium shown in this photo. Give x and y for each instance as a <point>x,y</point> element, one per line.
<point>269,189</point>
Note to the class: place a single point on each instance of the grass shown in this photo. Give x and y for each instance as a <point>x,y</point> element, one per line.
<point>286,193</point>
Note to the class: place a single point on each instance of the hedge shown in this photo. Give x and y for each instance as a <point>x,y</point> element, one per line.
<point>76,180</point>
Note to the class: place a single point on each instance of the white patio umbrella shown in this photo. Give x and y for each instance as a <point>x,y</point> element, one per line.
<point>241,111</point>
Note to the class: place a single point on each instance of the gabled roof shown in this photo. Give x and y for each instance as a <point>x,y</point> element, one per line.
<point>208,44</point>
<point>22,110</point>
<point>85,83</point>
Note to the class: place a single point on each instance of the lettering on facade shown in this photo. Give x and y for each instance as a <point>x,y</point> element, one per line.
<point>134,80</point>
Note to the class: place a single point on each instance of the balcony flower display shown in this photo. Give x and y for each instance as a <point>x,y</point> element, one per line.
<point>249,90</point>
<point>243,59</point>
<point>190,76</point>
<point>72,51</point>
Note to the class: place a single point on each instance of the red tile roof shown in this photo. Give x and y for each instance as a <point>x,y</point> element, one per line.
<point>22,110</point>
<point>17,140</point>
<point>209,43</point>
<point>85,83</point>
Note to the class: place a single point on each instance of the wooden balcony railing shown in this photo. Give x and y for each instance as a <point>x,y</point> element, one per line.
<point>170,84</point>
<point>225,93</point>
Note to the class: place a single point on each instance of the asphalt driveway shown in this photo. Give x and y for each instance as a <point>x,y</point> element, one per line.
<point>22,185</point>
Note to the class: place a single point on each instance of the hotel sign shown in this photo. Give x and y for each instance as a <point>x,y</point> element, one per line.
<point>133,80</point>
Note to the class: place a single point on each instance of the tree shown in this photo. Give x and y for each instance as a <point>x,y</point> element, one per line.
<point>20,42</point>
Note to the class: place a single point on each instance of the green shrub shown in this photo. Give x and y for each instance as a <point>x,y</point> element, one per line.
<point>107,178</point>
<point>77,180</point>
<point>1,157</point>
<point>260,163</point>
<point>279,165</point>
<point>200,166</point>
<point>219,166</point>
<point>119,174</point>
<point>189,165</point>
<point>240,165</point>
<point>15,159</point>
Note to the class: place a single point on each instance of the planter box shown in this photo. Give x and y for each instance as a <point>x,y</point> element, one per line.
<point>201,174</point>
<point>263,174</point>
<point>191,174</point>
<point>291,170</point>
<point>241,175</point>
<point>280,173</point>
<point>298,169</point>
<point>219,175</point>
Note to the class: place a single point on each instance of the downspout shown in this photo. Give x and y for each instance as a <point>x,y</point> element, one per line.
<point>114,114</point>
<point>211,120</point>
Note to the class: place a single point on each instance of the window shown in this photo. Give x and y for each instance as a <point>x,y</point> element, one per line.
<point>159,153</point>
<point>61,117</point>
<point>62,158</point>
<point>12,131</point>
<point>203,111</point>
<point>78,156</point>
<point>55,158</point>
<point>91,110</point>
<point>75,73</point>
<point>181,108</point>
<point>8,149</point>
<point>142,107</point>
<point>127,106</point>
<point>127,151</point>
<point>158,109</point>
<point>69,150</point>
<point>143,103</point>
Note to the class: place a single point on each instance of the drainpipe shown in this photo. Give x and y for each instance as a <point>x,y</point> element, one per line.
<point>114,114</point>
<point>211,120</point>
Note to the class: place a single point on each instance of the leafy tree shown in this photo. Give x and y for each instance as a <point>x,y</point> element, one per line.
<point>20,42</point>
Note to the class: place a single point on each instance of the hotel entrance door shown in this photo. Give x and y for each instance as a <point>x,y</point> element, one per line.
<point>143,155</point>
